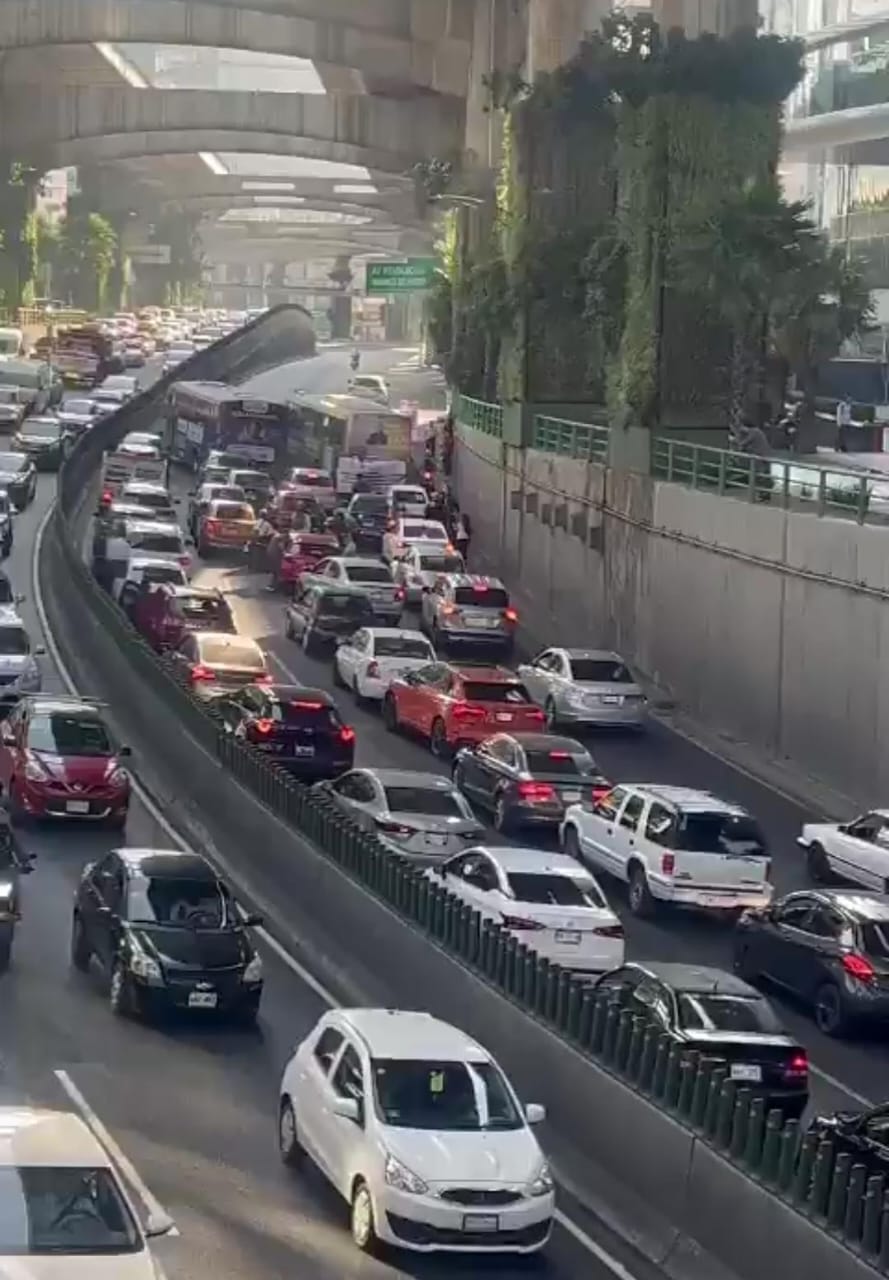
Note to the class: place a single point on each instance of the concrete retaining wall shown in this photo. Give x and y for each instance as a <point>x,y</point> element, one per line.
<point>770,625</point>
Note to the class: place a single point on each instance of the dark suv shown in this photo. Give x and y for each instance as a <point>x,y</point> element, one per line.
<point>319,615</point>
<point>299,729</point>
<point>367,519</point>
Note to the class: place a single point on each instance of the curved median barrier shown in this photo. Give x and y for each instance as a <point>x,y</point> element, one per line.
<point>672,1149</point>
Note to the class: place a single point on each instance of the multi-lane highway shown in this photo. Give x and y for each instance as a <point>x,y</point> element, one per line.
<point>191,1109</point>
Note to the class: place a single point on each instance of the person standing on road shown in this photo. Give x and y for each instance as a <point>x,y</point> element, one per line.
<point>844,423</point>
<point>462,535</point>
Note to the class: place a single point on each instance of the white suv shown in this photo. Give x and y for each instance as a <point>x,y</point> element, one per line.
<point>419,1131</point>
<point>673,845</point>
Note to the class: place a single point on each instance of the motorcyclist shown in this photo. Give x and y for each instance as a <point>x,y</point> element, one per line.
<point>14,863</point>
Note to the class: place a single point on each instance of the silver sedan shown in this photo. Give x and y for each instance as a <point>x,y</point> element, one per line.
<point>422,816</point>
<point>584,686</point>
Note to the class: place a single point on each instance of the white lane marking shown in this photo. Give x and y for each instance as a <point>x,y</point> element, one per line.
<point>611,1263</point>
<point>152,1205</point>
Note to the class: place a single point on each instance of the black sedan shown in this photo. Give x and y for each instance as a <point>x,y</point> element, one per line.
<point>18,476</point>
<point>722,1017</point>
<point>864,1135</point>
<point>78,414</point>
<point>528,779</point>
<point>47,442</point>
<point>828,948</point>
<point>167,934</point>
<point>299,729</point>
<point>367,519</point>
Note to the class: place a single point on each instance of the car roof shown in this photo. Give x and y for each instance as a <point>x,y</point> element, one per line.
<point>140,560</point>
<point>696,978</point>
<point>215,503</point>
<point>189,589</point>
<point>34,1137</point>
<point>144,486</point>
<point>521,858</point>
<point>135,509</point>
<point>153,526</point>
<point>601,655</point>
<point>863,904</point>
<point>225,637</point>
<point>406,632</point>
<point>328,587</point>
<point>170,863</point>
<point>409,778</point>
<point>296,693</point>
<point>10,616</point>
<point>545,742</point>
<point>362,562</point>
<point>408,1034</point>
<point>686,799</point>
<point>51,702</point>
<point>496,675</point>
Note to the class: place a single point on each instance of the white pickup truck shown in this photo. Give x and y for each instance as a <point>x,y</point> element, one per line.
<point>672,846</point>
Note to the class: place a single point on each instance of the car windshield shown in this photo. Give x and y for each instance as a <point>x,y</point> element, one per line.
<point>78,406</point>
<point>306,713</point>
<point>215,475</point>
<point>368,573</point>
<point>402,647</point>
<point>370,503</point>
<point>231,653</point>
<point>165,543</point>
<point>13,640</point>
<point>482,597</point>
<point>233,511</point>
<point>68,1210</point>
<point>445,1096</point>
<point>162,573</point>
<point>409,496</point>
<point>424,532</point>
<point>726,833</point>
<point>251,479</point>
<point>65,733</point>
<point>710,1011</point>
<point>9,395</point>
<point>441,564</point>
<point>11,463</point>
<point>558,891</point>
<point>561,763</point>
<point>495,691</point>
<point>177,902</point>
<point>343,605</point>
<point>42,430</point>
<point>438,802</point>
<point>600,671</point>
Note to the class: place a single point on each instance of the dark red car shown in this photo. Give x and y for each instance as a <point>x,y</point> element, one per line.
<point>298,553</point>
<point>58,760</point>
<point>164,613</point>
<point>456,705</point>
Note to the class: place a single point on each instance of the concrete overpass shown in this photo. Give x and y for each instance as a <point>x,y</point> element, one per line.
<point>103,123</point>
<point>388,42</point>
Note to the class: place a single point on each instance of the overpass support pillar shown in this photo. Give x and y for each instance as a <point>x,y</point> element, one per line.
<point>341,306</point>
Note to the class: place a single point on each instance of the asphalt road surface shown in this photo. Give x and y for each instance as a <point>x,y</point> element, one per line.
<point>191,1107</point>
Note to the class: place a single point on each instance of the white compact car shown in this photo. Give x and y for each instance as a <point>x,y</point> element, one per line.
<point>430,535</point>
<point>420,1132</point>
<point>65,1212</point>
<point>856,851</point>
<point>368,661</point>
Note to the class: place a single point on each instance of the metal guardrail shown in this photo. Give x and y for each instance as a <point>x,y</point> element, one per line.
<point>585,441</point>
<point>25,316</point>
<point>825,491</point>
<point>481,416</point>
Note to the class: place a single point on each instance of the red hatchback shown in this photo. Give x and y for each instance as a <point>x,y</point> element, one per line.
<point>58,760</point>
<point>300,555</point>
<point>457,705</point>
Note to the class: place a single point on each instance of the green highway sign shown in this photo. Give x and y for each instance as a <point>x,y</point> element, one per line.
<point>400,277</point>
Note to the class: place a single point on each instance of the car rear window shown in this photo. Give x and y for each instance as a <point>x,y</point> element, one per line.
<point>409,495</point>
<point>425,532</point>
<point>495,691</point>
<point>711,1011</point>
<point>306,547</point>
<point>232,653</point>
<point>482,597</point>
<point>600,671</point>
<point>368,573</point>
<point>216,611</point>
<point>370,502</point>
<point>435,801</point>
<point>233,511</point>
<point>442,564</point>
<point>212,475</point>
<point>402,647</point>
<point>162,573</point>
<point>313,480</point>
<point>344,606</point>
<point>556,890</point>
<point>726,833</point>
<point>165,543</point>
<point>560,763</point>
<point>14,640</point>
<point>251,479</point>
<point>156,501</point>
<point>306,713</point>
<point>78,406</point>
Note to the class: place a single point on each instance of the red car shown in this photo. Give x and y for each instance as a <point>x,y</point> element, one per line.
<point>58,760</point>
<point>299,553</point>
<point>454,706</point>
<point>164,612</point>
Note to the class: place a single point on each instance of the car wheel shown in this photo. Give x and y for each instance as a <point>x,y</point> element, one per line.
<point>120,993</point>
<point>830,1016</point>
<point>503,820</point>
<point>5,950</point>
<point>338,675</point>
<point>642,904</point>
<point>364,1233</point>
<point>438,741</point>
<point>80,947</point>
<point>356,689</point>
<point>288,627</point>
<point>289,1147</point>
<point>552,716</point>
<point>571,845</point>
<point>390,713</point>
<point>818,865</point>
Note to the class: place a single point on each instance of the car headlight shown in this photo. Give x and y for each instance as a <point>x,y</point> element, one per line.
<point>35,772</point>
<point>30,677</point>
<point>542,1184</point>
<point>402,1179</point>
<point>117,777</point>
<point>253,971</point>
<point>145,967</point>
<point>6,893</point>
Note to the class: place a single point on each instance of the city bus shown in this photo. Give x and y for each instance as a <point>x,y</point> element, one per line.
<point>349,437</point>
<point>211,415</point>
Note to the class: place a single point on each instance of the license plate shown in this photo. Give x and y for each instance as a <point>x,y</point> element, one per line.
<point>77,806</point>
<point>569,936</point>
<point>748,1071</point>
<point>611,701</point>
<point>571,797</point>
<point>482,622</point>
<point>202,1000</point>
<point>481,1222</point>
<point>503,717</point>
<point>303,751</point>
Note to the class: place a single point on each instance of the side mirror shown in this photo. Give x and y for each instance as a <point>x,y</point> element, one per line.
<point>535,1113</point>
<point>158,1224</point>
<point>346,1109</point>
<point>124,753</point>
<point>39,650</point>
<point>253,921</point>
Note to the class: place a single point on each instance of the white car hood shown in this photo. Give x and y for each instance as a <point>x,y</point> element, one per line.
<point>79,1266</point>
<point>464,1159</point>
<point>12,664</point>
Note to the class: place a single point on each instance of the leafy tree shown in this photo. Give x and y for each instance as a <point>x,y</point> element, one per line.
<point>87,255</point>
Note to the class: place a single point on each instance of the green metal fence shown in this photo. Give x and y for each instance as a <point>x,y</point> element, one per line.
<point>585,441</point>
<point>825,491</point>
<point>481,416</point>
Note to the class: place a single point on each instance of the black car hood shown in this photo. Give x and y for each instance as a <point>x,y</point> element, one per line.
<point>193,948</point>
<point>11,477</point>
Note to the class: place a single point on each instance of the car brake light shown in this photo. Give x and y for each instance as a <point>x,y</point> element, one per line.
<point>373,670</point>
<point>263,678</point>
<point>479,588</point>
<point>536,792</point>
<point>519,922</point>
<point>600,790</point>
<point>394,828</point>
<point>560,755</point>
<point>465,711</point>
<point>534,713</point>
<point>185,561</point>
<point>609,931</point>
<point>859,967</point>
<point>510,615</point>
<point>399,593</point>
<point>107,499</point>
<point>347,734</point>
<point>798,1066</point>
<point>263,727</point>
<point>212,526</point>
<point>668,863</point>
<point>449,610</point>
<point>307,706</point>
<point>200,672</point>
